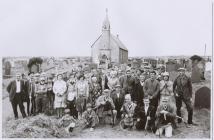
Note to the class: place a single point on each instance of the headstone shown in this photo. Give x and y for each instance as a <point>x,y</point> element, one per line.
<point>196,75</point>
<point>7,71</point>
<point>202,98</point>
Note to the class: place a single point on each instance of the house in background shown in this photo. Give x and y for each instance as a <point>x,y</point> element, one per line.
<point>108,48</point>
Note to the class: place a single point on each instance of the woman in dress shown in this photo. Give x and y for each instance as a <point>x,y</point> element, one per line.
<point>166,87</point>
<point>82,89</point>
<point>59,89</point>
<point>113,80</point>
<point>95,90</point>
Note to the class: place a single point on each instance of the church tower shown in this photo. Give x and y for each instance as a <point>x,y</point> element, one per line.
<point>105,50</point>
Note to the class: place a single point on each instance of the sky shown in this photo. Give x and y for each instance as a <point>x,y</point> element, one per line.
<point>70,27</point>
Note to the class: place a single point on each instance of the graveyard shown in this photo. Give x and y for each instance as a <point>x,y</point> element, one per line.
<point>41,126</point>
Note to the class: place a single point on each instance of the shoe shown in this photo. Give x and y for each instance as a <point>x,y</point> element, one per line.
<point>192,123</point>
<point>91,129</point>
<point>179,120</point>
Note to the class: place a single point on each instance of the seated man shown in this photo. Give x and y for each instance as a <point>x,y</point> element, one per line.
<point>150,111</point>
<point>118,98</point>
<point>166,115</point>
<point>128,112</point>
<point>105,104</point>
<point>90,117</point>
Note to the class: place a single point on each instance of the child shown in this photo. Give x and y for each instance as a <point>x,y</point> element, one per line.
<point>90,117</point>
<point>68,122</point>
<point>128,112</point>
<point>166,115</point>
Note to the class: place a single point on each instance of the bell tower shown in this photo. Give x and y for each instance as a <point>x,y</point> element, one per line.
<point>105,39</point>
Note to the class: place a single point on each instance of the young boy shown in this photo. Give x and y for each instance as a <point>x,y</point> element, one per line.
<point>90,117</point>
<point>128,112</point>
<point>68,122</point>
<point>166,115</point>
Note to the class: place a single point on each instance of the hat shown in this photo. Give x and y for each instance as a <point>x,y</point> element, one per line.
<point>165,74</point>
<point>43,74</point>
<point>37,75</point>
<point>106,91</point>
<point>118,85</point>
<point>18,74</point>
<point>146,100</point>
<point>72,125</point>
<point>164,99</point>
<point>80,65</point>
<point>42,78</point>
<point>127,97</point>
<point>181,69</point>
<point>59,73</point>
<point>88,105</point>
<point>93,78</point>
<point>81,76</point>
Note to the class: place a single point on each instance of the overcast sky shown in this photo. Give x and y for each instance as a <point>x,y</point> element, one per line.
<point>69,27</point>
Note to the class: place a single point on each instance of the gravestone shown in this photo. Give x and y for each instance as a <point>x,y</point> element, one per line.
<point>196,75</point>
<point>202,98</point>
<point>7,71</point>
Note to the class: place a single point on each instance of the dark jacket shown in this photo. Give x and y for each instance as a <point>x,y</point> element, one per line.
<point>118,101</point>
<point>138,93</point>
<point>11,89</point>
<point>31,90</point>
<point>127,84</point>
<point>25,95</point>
<point>183,87</point>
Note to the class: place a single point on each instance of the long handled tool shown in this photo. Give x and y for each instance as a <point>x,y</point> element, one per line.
<point>147,121</point>
<point>183,121</point>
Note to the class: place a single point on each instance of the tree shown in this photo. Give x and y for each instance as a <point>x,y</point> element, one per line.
<point>34,61</point>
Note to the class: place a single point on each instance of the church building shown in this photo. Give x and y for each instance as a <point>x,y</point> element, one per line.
<point>108,48</point>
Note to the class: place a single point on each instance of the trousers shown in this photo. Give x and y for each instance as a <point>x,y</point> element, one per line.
<point>17,101</point>
<point>189,106</point>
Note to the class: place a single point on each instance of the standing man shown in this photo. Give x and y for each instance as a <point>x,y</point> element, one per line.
<point>41,96</point>
<point>127,83</point>
<point>31,91</point>
<point>182,88</point>
<point>118,99</point>
<point>15,90</point>
<point>151,88</point>
<point>25,95</point>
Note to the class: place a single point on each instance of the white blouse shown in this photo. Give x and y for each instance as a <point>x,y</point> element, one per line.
<point>59,87</point>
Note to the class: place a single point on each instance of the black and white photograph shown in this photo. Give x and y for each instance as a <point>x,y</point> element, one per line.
<point>106,69</point>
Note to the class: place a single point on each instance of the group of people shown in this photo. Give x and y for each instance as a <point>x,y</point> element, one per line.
<point>145,99</point>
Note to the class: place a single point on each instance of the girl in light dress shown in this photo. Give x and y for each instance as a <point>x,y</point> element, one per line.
<point>59,89</point>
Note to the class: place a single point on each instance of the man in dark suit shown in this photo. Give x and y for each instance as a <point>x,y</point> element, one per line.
<point>182,88</point>
<point>118,99</point>
<point>15,90</point>
<point>31,92</point>
<point>127,83</point>
<point>25,95</point>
